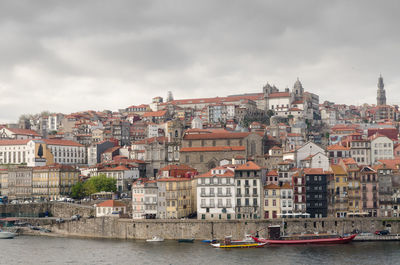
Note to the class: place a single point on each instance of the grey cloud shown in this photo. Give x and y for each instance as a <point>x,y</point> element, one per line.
<point>73,55</point>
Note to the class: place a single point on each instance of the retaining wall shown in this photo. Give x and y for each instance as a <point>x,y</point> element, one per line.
<point>175,229</point>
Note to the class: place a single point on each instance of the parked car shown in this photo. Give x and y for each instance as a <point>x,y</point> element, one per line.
<point>75,217</point>
<point>382,232</point>
<point>59,220</point>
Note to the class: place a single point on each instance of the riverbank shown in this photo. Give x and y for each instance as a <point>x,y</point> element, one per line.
<point>116,228</point>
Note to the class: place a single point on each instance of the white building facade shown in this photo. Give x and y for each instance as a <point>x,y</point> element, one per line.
<point>215,194</point>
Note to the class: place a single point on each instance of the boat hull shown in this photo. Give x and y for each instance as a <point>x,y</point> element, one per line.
<point>6,235</point>
<point>336,240</point>
<point>249,245</point>
<point>185,240</point>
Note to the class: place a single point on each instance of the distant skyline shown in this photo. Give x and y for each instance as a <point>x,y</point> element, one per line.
<point>69,56</point>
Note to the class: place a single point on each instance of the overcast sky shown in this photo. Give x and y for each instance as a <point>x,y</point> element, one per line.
<point>68,56</point>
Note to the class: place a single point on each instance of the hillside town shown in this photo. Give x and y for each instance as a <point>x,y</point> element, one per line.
<point>267,155</point>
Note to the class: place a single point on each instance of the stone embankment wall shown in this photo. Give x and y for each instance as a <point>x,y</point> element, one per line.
<point>174,229</point>
<point>57,209</point>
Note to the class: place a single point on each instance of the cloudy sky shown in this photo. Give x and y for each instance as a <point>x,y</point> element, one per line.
<point>67,56</point>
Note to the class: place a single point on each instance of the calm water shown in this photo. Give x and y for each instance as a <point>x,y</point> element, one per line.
<point>44,250</point>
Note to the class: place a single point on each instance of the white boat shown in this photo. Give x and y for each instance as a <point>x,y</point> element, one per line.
<point>5,234</point>
<point>155,239</point>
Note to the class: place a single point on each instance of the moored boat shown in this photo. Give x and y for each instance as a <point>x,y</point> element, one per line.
<point>276,239</point>
<point>308,239</point>
<point>155,239</point>
<point>228,243</point>
<point>186,240</point>
<point>5,234</point>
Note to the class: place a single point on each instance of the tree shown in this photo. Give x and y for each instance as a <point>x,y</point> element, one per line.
<point>93,185</point>
<point>40,151</point>
<point>78,191</point>
<point>100,183</point>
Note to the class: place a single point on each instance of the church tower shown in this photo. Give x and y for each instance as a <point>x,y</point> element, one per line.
<point>381,94</point>
<point>298,90</point>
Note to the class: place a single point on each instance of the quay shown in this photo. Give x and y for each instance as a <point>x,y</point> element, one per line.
<point>365,238</point>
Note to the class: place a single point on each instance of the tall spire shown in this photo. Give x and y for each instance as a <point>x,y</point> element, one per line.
<point>381,85</point>
<point>381,93</point>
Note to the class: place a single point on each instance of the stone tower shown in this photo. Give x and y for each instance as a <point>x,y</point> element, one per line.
<point>381,94</point>
<point>298,90</point>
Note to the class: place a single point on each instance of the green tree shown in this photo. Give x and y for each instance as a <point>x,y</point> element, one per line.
<point>100,183</point>
<point>40,151</point>
<point>78,191</point>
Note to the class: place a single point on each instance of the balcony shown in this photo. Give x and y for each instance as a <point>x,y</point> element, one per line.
<point>224,195</point>
<point>207,194</point>
<point>255,195</point>
<point>247,195</point>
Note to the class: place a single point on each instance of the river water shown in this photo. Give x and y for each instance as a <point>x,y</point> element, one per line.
<point>52,250</point>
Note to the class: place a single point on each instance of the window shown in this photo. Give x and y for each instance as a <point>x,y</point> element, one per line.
<point>273,202</point>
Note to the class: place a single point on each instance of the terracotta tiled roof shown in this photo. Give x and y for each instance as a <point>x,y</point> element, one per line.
<point>159,113</point>
<point>227,173</point>
<point>279,95</point>
<point>286,185</point>
<point>294,135</point>
<point>214,100</point>
<point>14,142</point>
<point>213,149</point>
<point>173,179</point>
<point>271,186</point>
<point>181,166</point>
<point>61,142</point>
<point>391,163</point>
<point>276,148</point>
<point>348,161</point>
<point>111,203</point>
<point>272,173</point>
<point>337,147</point>
<point>112,149</point>
<point>227,135</point>
<point>118,168</point>
<point>248,166</point>
<point>338,170</point>
<point>23,131</point>
<point>313,171</point>
<point>160,139</point>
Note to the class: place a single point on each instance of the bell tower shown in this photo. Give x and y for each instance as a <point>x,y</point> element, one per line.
<point>381,93</point>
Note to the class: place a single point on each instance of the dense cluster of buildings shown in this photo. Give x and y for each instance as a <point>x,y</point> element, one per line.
<point>260,155</point>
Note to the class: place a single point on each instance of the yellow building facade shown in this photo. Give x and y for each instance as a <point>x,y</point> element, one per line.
<point>340,192</point>
<point>54,181</point>
<point>272,201</point>
<point>178,197</point>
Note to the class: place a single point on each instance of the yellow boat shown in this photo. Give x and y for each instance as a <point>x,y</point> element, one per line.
<point>242,245</point>
<point>228,243</point>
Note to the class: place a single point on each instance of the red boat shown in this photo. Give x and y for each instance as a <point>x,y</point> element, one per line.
<point>307,239</point>
<point>276,239</point>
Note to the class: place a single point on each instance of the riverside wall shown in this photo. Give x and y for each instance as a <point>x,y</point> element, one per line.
<point>57,209</point>
<point>174,229</point>
<point>199,229</point>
